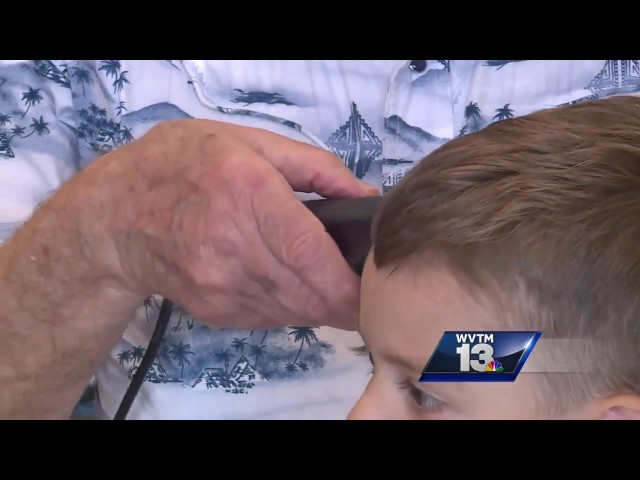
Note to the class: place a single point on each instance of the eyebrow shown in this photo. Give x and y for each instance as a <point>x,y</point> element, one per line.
<point>429,389</point>
<point>406,364</point>
<point>361,350</point>
<point>403,362</point>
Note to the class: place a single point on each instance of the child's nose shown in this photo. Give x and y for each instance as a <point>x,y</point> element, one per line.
<point>360,411</point>
<point>368,407</point>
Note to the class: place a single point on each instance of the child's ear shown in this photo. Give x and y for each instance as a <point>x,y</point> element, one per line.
<point>619,407</point>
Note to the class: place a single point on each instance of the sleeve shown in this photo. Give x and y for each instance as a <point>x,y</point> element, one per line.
<point>38,141</point>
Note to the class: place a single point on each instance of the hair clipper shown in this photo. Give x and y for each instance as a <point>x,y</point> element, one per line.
<point>348,221</point>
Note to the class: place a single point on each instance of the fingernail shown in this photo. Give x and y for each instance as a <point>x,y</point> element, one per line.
<point>370,189</point>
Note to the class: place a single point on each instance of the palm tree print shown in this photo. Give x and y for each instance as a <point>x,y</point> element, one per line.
<point>224,356</point>
<point>82,77</point>
<point>291,367</point>
<point>472,113</point>
<point>302,335</point>
<point>125,135</point>
<point>264,337</point>
<point>180,352</point>
<point>133,356</point>
<point>100,132</point>
<point>124,357</point>
<point>257,352</point>
<point>137,353</point>
<point>121,108</point>
<point>38,126</point>
<point>17,131</point>
<point>111,68</point>
<point>4,119</point>
<point>118,83</point>
<point>503,113</point>
<point>94,110</point>
<point>30,98</point>
<point>238,344</point>
<point>178,325</point>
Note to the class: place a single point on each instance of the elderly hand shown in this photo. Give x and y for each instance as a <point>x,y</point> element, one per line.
<point>204,213</point>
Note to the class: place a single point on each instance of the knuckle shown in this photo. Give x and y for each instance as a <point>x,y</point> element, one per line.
<point>166,128</point>
<point>169,137</point>
<point>248,176</point>
<point>214,145</point>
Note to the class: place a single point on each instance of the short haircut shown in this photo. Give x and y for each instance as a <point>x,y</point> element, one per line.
<point>541,214</point>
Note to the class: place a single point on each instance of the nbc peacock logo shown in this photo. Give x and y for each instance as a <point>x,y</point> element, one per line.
<point>494,366</point>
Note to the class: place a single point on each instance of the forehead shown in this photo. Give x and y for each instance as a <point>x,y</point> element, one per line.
<point>409,309</point>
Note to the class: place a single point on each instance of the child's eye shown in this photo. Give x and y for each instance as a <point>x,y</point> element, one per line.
<point>422,399</point>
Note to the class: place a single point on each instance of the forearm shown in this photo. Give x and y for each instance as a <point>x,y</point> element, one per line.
<point>61,308</point>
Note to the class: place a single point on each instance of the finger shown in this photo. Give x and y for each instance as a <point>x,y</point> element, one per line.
<point>318,277</point>
<point>248,299</point>
<point>318,299</point>
<point>308,168</point>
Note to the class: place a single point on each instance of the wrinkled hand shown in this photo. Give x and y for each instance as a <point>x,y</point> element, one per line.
<point>207,216</point>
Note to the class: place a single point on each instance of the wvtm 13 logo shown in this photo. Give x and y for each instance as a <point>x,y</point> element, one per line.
<point>479,356</point>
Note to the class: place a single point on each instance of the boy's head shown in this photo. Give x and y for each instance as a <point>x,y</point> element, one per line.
<point>530,224</point>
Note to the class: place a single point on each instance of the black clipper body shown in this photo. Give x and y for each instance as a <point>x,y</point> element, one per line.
<point>348,221</point>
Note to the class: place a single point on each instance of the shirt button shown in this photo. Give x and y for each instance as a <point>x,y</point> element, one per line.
<point>418,65</point>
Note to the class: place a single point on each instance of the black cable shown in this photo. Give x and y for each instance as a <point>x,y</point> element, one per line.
<point>152,349</point>
<point>348,221</point>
